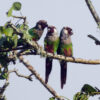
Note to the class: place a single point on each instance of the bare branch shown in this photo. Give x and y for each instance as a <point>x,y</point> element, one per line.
<point>21,17</point>
<point>11,49</point>
<point>2,89</point>
<point>61,57</point>
<point>97,42</point>
<point>20,75</point>
<point>95,93</point>
<point>33,71</point>
<point>93,11</point>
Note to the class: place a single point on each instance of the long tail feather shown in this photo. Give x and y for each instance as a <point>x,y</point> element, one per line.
<point>48,69</point>
<point>63,65</point>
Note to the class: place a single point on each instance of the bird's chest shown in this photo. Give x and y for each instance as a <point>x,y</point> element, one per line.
<point>50,48</point>
<point>68,52</point>
<point>39,33</point>
<point>66,41</point>
<point>52,38</point>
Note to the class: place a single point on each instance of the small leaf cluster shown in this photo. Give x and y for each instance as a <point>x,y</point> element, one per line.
<point>86,91</point>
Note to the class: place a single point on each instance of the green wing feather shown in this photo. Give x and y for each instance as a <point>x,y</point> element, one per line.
<point>33,33</point>
<point>53,43</point>
<point>67,47</point>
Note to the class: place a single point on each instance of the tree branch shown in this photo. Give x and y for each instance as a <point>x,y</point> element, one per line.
<point>33,71</point>
<point>20,75</point>
<point>21,17</point>
<point>97,42</point>
<point>43,53</point>
<point>93,11</point>
<point>2,89</point>
<point>11,49</point>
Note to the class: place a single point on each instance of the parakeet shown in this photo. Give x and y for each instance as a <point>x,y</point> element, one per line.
<point>37,31</point>
<point>51,42</point>
<point>65,48</point>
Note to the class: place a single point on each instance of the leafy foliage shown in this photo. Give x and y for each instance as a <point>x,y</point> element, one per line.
<point>16,6</point>
<point>80,96</point>
<point>86,91</point>
<point>9,39</point>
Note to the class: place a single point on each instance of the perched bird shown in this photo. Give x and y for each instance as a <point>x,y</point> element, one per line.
<point>51,42</point>
<point>37,31</point>
<point>65,48</point>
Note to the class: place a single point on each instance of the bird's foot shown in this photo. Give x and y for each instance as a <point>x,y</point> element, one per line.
<point>73,58</point>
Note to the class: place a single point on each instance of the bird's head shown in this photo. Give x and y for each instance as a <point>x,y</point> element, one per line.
<point>67,31</point>
<point>42,24</point>
<point>51,30</point>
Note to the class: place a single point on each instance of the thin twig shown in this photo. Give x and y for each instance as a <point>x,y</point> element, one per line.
<point>97,42</point>
<point>95,93</point>
<point>20,75</point>
<point>21,17</point>
<point>11,49</point>
<point>93,11</point>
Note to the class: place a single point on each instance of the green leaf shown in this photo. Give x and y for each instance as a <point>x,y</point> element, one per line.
<point>1,29</point>
<point>4,60</point>
<point>80,96</point>
<point>9,13</point>
<point>5,75</point>
<point>24,27</point>
<point>17,6</point>
<point>24,30</point>
<point>2,40</point>
<point>15,39</point>
<point>88,89</point>
<point>8,31</point>
<point>52,98</point>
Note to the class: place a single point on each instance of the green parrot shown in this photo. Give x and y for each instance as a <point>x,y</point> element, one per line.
<point>51,43</point>
<point>65,48</point>
<point>37,31</point>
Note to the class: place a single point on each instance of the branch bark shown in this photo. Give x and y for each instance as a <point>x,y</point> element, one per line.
<point>43,53</point>
<point>21,17</point>
<point>20,75</point>
<point>2,89</point>
<point>93,11</point>
<point>33,71</point>
<point>97,42</point>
